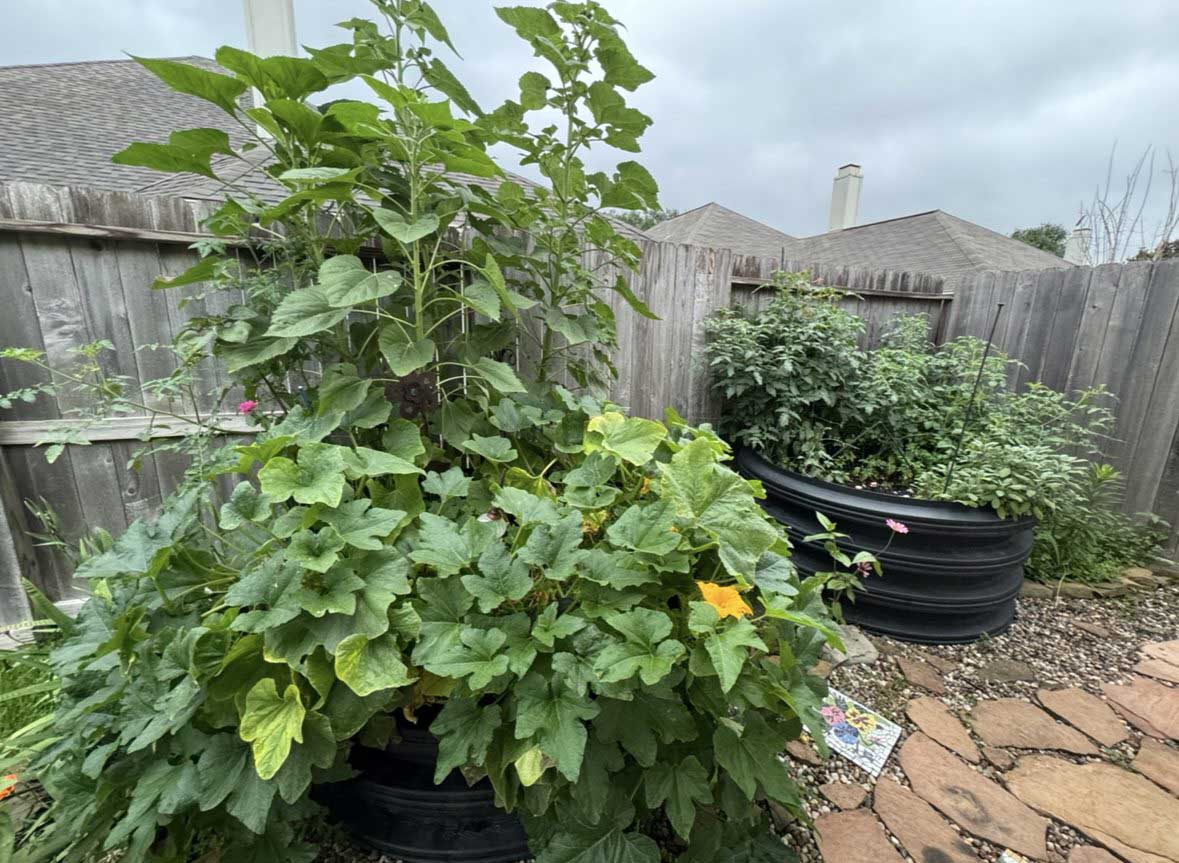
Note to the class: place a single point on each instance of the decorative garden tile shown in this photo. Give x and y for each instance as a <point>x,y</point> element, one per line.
<point>859,734</point>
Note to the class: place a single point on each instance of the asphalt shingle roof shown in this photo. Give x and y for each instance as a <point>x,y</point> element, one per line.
<point>721,228</point>
<point>935,242</point>
<point>61,123</point>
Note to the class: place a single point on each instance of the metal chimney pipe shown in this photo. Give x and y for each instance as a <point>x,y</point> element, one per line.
<point>270,27</point>
<point>845,197</point>
<point>270,30</point>
<point>1076,247</point>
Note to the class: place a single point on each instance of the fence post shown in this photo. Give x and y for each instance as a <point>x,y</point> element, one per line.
<point>713,282</point>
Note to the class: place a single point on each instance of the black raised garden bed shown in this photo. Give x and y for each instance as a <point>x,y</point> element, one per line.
<point>953,578</point>
<point>394,807</point>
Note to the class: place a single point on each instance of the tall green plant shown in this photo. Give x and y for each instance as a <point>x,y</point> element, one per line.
<point>608,622</point>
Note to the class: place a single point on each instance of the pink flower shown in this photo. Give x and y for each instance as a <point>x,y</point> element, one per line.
<point>832,714</point>
<point>896,526</point>
<point>246,407</point>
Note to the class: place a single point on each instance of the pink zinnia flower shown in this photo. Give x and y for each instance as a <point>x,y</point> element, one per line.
<point>896,526</point>
<point>247,406</point>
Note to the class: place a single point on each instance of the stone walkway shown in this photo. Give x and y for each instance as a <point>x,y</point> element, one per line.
<point>1012,770</point>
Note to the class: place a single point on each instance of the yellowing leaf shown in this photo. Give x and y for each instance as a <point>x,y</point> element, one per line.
<point>271,723</point>
<point>632,439</point>
<point>726,599</point>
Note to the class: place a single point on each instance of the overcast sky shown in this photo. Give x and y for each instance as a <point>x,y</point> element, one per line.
<point>998,111</point>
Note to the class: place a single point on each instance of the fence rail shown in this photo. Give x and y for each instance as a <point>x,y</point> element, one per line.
<point>76,266</point>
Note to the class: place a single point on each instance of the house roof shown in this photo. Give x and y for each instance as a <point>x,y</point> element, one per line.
<point>934,242</point>
<point>62,122</point>
<point>721,228</point>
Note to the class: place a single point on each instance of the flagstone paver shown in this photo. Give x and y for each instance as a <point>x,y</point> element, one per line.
<point>1087,712</point>
<point>822,668</point>
<point>1000,759</point>
<point>1158,668</point>
<point>922,674</point>
<point>803,752</point>
<point>1128,814</point>
<point>1011,722</point>
<point>936,720</point>
<point>975,803</point>
<point>1167,651</point>
<point>941,663</point>
<point>854,837</point>
<point>1091,854</point>
<point>927,836</point>
<point>1148,705</point>
<point>843,794</point>
<point>1159,762</point>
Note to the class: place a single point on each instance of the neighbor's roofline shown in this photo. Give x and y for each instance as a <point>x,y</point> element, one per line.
<point>881,222</point>
<point>96,62</point>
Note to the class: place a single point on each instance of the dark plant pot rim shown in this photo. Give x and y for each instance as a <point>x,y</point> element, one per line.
<point>910,510</point>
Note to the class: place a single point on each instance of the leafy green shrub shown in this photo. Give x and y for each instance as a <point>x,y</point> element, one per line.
<point>1092,540</point>
<point>799,390</point>
<point>785,371</point>
<point>608,620</point>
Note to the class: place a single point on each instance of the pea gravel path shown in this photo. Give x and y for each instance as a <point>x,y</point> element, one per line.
<point>1084,644</point>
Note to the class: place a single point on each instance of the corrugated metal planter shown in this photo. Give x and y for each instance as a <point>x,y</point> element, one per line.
<point>953,578</point>
<point>394,807</point>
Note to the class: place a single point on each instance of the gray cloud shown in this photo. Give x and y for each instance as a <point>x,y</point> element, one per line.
<point>998,111</point>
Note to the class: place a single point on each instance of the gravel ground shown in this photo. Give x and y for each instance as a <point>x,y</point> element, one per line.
<point>1046,637</point>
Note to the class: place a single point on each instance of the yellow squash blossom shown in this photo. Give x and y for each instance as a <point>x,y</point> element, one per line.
<point>725,599</point>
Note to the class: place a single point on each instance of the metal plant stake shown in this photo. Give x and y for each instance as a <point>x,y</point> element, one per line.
<point>973,394</point>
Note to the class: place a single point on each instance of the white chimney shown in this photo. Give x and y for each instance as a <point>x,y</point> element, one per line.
<point>845,197</point>
<point>270,28</point>
<point>1076,247</point>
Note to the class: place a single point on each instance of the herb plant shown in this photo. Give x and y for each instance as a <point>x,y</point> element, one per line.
<point>605,621</point>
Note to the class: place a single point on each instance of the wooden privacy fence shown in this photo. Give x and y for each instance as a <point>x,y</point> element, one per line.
<point>875,296</point>
<point>1117,326</point>
<point>76,265</point>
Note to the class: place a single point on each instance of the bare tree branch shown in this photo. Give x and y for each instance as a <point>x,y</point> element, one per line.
<point>1117,218</point>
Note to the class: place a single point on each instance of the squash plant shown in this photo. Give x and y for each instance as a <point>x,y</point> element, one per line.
<point>609,623</point>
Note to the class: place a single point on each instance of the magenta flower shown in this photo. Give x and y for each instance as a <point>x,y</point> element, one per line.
<point>247,407</point>
<point>896,526</point>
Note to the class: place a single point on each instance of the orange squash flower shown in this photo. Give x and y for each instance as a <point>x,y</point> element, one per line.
<point>8,789</point>
<point>726,599</point>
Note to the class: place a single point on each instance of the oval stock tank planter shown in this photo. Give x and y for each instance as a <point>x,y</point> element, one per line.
<point>953,578</point>
<point>394,807</point>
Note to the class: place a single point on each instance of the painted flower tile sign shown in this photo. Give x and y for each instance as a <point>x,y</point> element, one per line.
<point>860,735</point>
